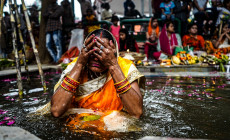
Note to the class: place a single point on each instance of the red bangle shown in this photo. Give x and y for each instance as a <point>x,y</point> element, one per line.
<point>71,81</point>
<point>120,84</point>
<point>124,89</point>
<point>68,88</point>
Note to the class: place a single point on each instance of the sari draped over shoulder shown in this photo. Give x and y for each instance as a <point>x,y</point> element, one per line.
<point>165,46</point>
<point>100,93</point>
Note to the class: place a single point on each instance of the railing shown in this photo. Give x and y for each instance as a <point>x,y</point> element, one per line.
<point>139,27</point>
<point>103,23</point>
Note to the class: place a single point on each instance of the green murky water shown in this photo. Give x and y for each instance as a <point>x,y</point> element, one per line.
<point>182,107</point>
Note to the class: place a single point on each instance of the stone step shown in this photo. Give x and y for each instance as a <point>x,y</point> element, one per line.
<point>178,68</point>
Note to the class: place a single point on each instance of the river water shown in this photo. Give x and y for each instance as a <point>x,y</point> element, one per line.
<point>180,107</point>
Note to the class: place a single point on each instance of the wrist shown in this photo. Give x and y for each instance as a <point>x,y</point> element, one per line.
<point>76,71</point>
<point>114,68</point>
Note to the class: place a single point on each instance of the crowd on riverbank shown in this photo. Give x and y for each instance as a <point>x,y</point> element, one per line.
<point>204,28</point>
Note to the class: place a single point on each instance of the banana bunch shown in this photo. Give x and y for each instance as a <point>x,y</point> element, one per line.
<point>193,60</point>
<point>221,60</point>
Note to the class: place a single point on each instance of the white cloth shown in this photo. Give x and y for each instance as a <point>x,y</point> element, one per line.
<point>201,4</point>
<point>223,13</point>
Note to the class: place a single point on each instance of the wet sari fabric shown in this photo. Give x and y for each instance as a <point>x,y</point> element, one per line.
<point>105,98</point>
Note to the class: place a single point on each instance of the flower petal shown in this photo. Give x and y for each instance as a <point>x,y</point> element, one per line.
<point>2,122</point>
<point>6,118</point>
<point>11,122</point>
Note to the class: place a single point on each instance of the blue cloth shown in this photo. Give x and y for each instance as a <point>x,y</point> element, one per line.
<point>56,35</point>
<point>167,7</point>
<point>163,17</point>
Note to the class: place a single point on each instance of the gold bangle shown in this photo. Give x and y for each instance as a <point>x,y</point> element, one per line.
<point>69,84</point>
<point>120,82</point>
<point>124,85</point>
<point>72,79</point>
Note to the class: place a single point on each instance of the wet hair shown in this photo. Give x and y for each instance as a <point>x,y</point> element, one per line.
<point>103,34</point>
<point>114,18</point>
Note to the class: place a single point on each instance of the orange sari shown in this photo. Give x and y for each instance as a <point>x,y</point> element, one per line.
<point>103,97</point>
<point>197,43</point>
<point>150,29</point>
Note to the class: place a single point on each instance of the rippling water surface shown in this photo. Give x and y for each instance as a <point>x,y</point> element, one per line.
<point>182,107</point>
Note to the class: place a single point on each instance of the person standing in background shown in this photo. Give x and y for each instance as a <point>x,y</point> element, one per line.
<point>167,10</point>
<point>115,28</point>
<point>106,13</point>
<point>199,13</point>
<point>128,3</point>
<point>98,4</point>
<point>181,11</point>
<point>53,29</point>
<point>67,23</point>
<point>156,8</point>
<point>85,4</point>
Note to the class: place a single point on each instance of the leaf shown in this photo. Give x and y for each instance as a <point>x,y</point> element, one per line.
<point>210,89</point>
<point>91,118</point>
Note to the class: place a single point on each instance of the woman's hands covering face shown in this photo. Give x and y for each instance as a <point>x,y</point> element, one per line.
<point>87,50</point>
<point>105,52</point>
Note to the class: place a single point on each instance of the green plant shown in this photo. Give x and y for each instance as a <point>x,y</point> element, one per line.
<point>6,63</point>
<point>223,60</point>
<point>64,65</point>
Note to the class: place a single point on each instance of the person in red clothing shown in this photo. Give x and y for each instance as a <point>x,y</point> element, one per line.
<point>127,42</point>
<point>115,28</point>
<point>193,39</point>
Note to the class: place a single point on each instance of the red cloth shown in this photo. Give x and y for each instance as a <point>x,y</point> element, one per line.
<point>166,44</point>
<point>71,53</point>
<point>157,55</point>
<point>196,42</point>
<point>147,45</point>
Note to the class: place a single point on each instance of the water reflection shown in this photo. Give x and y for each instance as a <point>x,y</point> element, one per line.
<point>184,107</point>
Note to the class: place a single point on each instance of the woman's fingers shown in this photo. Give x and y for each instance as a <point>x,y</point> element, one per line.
<point>91,44</point>
<point>101,42</point>
<point>98,56</point>
<point>89,52</point>
<point>111,44</point>
<point>114,47</point>
<point>88,40</point>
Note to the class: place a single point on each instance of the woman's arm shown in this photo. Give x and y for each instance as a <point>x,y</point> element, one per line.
<point>62,98</point>
<point>227,35</point>
<point>131,99</point>
<point>218,42</point>
<point>147,36</point>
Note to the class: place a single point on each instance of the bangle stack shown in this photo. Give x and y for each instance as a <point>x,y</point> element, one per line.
<point>70,84</point>
<point>122,86</point>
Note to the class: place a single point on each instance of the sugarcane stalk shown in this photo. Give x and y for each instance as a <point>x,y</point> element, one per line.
<point>18,20</point>
<point>14,38</point>
<point>1,16</point>
<point>221,24</point>
<point>33,45</point>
